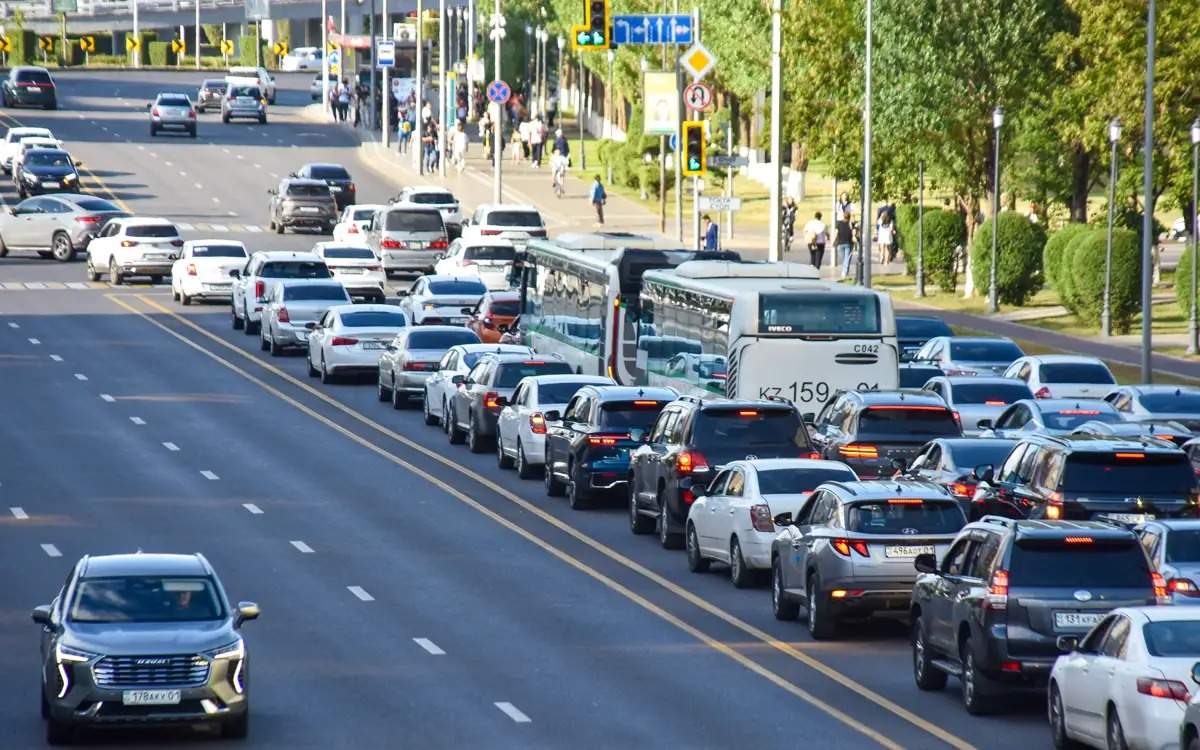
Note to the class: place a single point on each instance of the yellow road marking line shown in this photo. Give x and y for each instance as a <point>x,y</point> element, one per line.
<point>703,604</point>
<point>566,557</point>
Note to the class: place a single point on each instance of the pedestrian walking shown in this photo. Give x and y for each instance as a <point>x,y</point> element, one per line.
<point>844,206</point>
<point>843,240</point>
<point>485,133</point>
<point>537,140</point>
<point>788,222</point>
<point>514,148</point>
<point>558,173</point>
<point>599,198</point>
<point>885,235</point>
<point>458,147</point>
<point>712,234</point>
<point>816,234</point>
<point>429,145</point>
<point>406,128</point>
<point>344,101</point>
<point>526,131</point>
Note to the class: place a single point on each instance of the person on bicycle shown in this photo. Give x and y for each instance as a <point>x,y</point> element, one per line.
<point>788,220</point>
<point>558,170</point>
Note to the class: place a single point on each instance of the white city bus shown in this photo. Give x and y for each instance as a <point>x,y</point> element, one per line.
<point>581,303</point>
<point>764,330</point>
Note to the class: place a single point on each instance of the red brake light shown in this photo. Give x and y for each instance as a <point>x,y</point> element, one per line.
<point>962,489</point>
<point>351,187</point>
<point>535,362</point>
<point>997,596</point>
<point>154,112</point>
<point>760,518</point>
<point>420,367</point>
<point>688,462</point>
<point>489,231</point>
<point>957,419</point>
<point>260,287</point>
<point>1132,456</point>
<point>537,423</point>
<point>388,244</point>
<point>844,546</point>
<point>814,456</point>
<point>1160,588</point>
<point>491,400</point>
<point>1042,392</point>
<point>191,269</point>
<point>645,403</point>
<point>1079,412</point>
<point>905,501</point>
<point>343,341</point>
<point>191,114</point>
<point>439,244</point>
<point>905,407</point>
<point>1079,540</point>
<point>995,403</point>
<point>284,316</point>
<point>1183,586</point>
<point>1159,688</point>
<point>1010,666</point>
<point>606,440</point>
<point>748,413</point>
<point>87,219</point>
<point>858,450</point>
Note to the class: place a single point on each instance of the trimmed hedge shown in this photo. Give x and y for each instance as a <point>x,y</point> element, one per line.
<point>24,48</point>
<point>1087,271</point>
<point>1052,255</point>
<point>160,54</point>
<point>906,233</point>
<point>1019,250</point>
<point>944,232</point>
<point>1183,281</point>
<point>1067,288</point>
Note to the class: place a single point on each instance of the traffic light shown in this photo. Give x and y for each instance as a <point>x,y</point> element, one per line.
<point>695,157</point>
<point>594,32</point>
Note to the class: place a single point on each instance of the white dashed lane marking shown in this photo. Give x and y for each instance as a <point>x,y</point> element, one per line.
<point>107,397</point>
<point>254,509</point>
<point>429,646</point>
<point>19,513</point>
<point>35,342</point>
<point>137,420</point>
<point>56,358</point>
<point>212,477</point>
<point>171,446</point>
<point>14,325</point>
<point>361,593</point>
<point>80,376</point>
<point>512,712</point>
<point>51,550</point>
<point>302,547</point>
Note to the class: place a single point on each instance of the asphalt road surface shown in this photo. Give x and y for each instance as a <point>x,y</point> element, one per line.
<point>412,594</point>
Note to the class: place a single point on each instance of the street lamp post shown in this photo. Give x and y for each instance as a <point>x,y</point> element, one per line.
<point>920,228</point>
<point>579,115</point>
<point>197,34</point>
<point>498,123</point>
<point>866,226</point>
<point>1148,195</point>
<point>993,297</point>
<point>774,228</point>
<point>608,110</point>
<point>1193,342</point>
<point>559,66</point>
<point>1114,135</point>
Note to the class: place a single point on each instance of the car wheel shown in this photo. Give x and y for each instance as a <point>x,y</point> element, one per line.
<point>1115,735</point>
<point>274,347</point>
<point>314,372</point>
<point>1058,722</point>
<point>115,278</point>
<point>741,574</point>
<point>697,563</point>
<point>153,131</point>
<point>237,323</point>
<point>666,538</point>
<point>4,248</point>
<point>524,470</point>
<point>781,606</point>
<point>927,676</point>
<point>475,442</point>
<point>576,496</point>
<point>399,400</point>
<point>453,433</point>
<point>502,459</point>
<point>237,728</point>
<point>251,327</point>
<point>174,293</point>
<point>327,375</point>
<point>430,418</point>
<point>554,488</point>
<point>445,420</point>
<point>638,524</point>
<point>184,299</point>
<point>820,623</point>
<point>972,694</point>
<point>279,227</point>
<point>62,248</point>
<point>91,272</point>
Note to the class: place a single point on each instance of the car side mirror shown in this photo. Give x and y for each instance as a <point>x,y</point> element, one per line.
<point>1196,673</point>
<point>41,614</point>
<point>810,418</point>
<point>553,416</point>
<point>925,563</point>
<point>270,191</point>
<point>312,326</point>
<point>783,519</point>
<point>502,328</point>
<point>984,424</point>
<point>235,274</point>
<point>467,311</point>
<point>984,473</point>
<point>247,611</point>
<point>458,379</point>
<point>1068,643</point>
<point>401,292</point>
<point>149,106</point>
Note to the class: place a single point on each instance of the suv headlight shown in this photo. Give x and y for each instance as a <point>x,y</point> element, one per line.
<point>67,654</point>
<point>70,177</point>
<point>232,650</point>
<point>31,177</point>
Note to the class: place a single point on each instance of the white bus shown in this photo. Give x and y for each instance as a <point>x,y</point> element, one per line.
<point>764,330</point>
<point>581,303</point>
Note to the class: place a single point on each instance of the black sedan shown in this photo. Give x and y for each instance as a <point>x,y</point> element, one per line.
<point>47,170</point>
<point>340,183</point>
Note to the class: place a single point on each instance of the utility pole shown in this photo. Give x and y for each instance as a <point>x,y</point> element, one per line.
<point>324,55</point>
<point>920,228</point>
<point>608,108</point>
<point>374,113</point>
<point>774,230</point>
<point>498,124</point>
<point>679,145</point>
<point>197,34</point>
<point>696,238</point>
<point>866,226</point>
<point>1148,197</point>
<point>418,153</point>
<point>443,60</point>
<point>137,38</point>
<point>471,113</point>
<point>580,114</point>
<point>386,97</point>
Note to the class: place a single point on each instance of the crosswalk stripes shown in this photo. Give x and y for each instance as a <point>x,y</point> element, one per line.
<point>52,285</point>
<point>221,228</point>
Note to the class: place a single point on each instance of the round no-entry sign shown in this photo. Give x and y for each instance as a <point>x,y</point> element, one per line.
<point>698,96</point>
<point>498,92</point>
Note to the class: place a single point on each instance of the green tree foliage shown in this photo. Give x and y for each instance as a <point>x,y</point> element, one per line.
<point>1183,281</point>
<point>160,54</point>
<point>1055,250</point>
<point>1087,269</point>
<point>1019,258</point>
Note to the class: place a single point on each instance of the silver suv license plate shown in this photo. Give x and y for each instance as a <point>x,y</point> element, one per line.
<point>150,697</point>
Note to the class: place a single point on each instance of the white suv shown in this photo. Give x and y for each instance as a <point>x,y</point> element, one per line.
<point>253,284</point>
<point>506,221</point>
<point>134,246</point>
<point>265,81</point>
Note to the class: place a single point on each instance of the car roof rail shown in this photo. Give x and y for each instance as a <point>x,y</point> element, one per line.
<point>1008,523</point>
<point>1115,523</point>
<point>844,486</point>
<point>690,398</point>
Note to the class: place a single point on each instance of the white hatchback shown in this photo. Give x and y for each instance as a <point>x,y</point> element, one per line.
<point>352,224</point>
<point>351,339</point>
<point>521,426</point>
<point>203,269</point>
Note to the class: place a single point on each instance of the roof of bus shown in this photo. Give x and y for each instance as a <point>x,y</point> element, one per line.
<point>603,240</point>
<point>724,278</point>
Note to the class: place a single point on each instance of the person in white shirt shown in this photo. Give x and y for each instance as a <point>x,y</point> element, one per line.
<point>816,235</point>
<point>458,147</point>
<point>885,235</point>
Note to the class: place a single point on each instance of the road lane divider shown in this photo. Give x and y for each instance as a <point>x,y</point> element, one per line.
<point>254,509</point>
<point>107,397</point>
<point>171,447</point>
<point>699,602</point>
<point>209,475</point>
<point>19,513</point>
<point>512,712</point>
<point>56,358</point>
<point>51,550</point>
<point>80,376</point>
<point>432,648</point>
<point>301,547</point>
<point>361,593</point>
<point>137,420</point>
<point>35,342</point>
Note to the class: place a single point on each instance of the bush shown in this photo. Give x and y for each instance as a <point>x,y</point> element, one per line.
<point>1019,274</point>
<point>906,233</point>
<point>245,49</point>
<point>159,53</point>
<point>24,48</point>
<point>1087,271</point>
<point>1068,289</point>
<point>1052,255</point>
<point>1183,281</point>
<point>944,232</point>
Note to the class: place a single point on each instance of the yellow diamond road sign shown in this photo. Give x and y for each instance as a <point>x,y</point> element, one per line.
<point>698,61</point>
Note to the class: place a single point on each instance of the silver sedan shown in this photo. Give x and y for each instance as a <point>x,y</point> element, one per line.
<point>413,356</point>
<point>172,112</point>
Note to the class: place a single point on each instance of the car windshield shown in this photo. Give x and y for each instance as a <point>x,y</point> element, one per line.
<point>465,287</point>
<point>985,452</point>
<point>907,421</point>
<point>152,230</point>
<point>431,199</point>
<point>1133,473</point>
<point>1101,564</point>
<point>558,393</point>
<point>1069,419</point>
<point>921,328</point>
<point>308,191</point>
<point>34,76</point>
<point>174,101</point>
<point>511,373</point>
<point>329,172</point>
<point>1175,402</point>
<point>414,221</point>
<point>1076,372</point>
<point>1183,545</point>
<point>992,394</point>
<point>356,253</point>
<point>1173,638</point>
<point>218,251</point>
<point>251,91</point>
<point>630,414</point>
<point>295,269</point>
<point>374,319</point>
<point>95,204</point>
<point>531,219</point>
<point>47,159</point>
<point>303,292</point>
<point>441,339</point>
<point>792,481</point>
<point>984,351</point>
<point>490,252</point>
<point>506,307</point>
<point>766,432</point>
<point>145,599</point>
<point>905,516</point>
<point>363,214</point>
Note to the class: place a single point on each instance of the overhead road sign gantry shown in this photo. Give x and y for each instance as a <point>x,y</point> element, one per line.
<point>652,29</point>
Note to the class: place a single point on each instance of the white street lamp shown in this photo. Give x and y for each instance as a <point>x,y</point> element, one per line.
<point>997,124</point>
<point>1193,343</point>
<point>1114,135</point>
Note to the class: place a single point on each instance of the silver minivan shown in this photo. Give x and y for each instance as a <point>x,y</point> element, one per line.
<point>410,238</point>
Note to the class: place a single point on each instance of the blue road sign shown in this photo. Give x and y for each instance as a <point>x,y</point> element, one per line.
<point>498,92</point>
<point>652,29</point>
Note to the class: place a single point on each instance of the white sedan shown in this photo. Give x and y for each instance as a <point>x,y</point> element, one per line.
<point>1127,683</point>
<point>521,427</point>
<point>489,259</point>
<point>441,300</point>
<point>458,360</point>
<point>1063,376</point>
<point>357,267</point>
<point>202,270</point>
<point>352,224</point>
<point>12,143</point>
<point>351,338</point>
<point>733,521</point>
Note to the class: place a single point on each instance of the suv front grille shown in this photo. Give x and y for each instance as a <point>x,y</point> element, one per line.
<point>142,671</point>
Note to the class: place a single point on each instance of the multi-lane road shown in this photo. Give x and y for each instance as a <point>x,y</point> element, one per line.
<point>412,594</point>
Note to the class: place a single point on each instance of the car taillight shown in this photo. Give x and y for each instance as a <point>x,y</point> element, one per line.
<point>353,229</point>
<point>997,595</point>
<point>537,423</point>
<point>260,288</point>
<point>487,232</point>
<point>1043,392</point>
<point>191,269</point>
<point>606,440</point>
<point>1183,586</point>
<point>154,112</point>
<point>844,546</point>
<point>962,489</point>
<point>191,114</point>
<point>689,462</point>
<point>1160,688</point>
<point>128,243</point>
<point>351,187</point>
<point>87,219</point>
<point>283,316</point>
<point>858,450</point>
<point>343,341</point>
<point>439,244</point>
<point>957,419</point>
<point>491,400</point>
<point>393,245</point>
<point>1161,594</point>
<point>466,262</point>
<point>419,366</point>
<point>760,518</point>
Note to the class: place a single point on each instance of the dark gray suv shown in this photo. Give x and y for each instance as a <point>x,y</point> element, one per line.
<point>139,639</point>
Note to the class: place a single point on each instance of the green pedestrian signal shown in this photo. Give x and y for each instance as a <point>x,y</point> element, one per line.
<point>593,32</point>
<point>694,147</point>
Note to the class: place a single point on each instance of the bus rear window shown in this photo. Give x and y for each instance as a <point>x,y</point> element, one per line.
<point>819,313</point>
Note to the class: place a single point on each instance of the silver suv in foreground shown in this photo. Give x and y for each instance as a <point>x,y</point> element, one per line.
<point>139,639</point>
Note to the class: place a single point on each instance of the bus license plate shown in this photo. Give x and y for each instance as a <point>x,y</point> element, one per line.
<point>907,550</point>
<point>1076,619</point>
<point>150,697</point>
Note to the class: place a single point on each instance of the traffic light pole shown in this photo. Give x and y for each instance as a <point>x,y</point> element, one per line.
<point>696,239</point>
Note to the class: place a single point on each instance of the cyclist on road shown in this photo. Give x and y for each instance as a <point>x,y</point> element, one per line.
<point>558,170</point>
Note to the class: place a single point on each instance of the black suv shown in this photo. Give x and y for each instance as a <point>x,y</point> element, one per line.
<point>484,392</point>
<point>140,639</point>
<point>690,438</point>
<point>588,445</point>
<point>878,432</point>
<point>1083,476</point>
<point>993,611</point>
<point>28,87</point>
